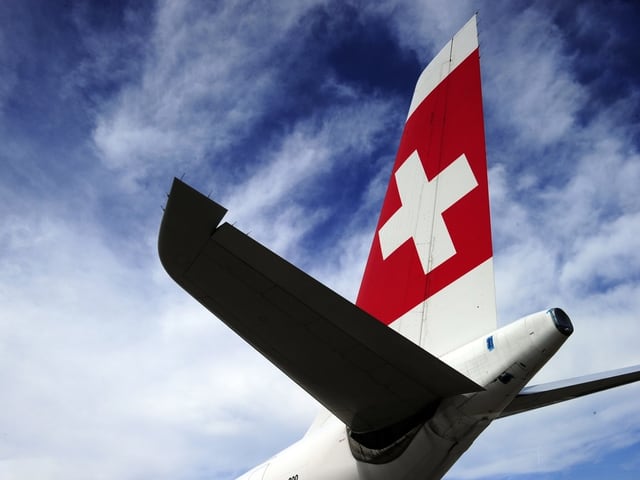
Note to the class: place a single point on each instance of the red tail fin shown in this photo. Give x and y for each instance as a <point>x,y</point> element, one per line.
<point>434,230</point>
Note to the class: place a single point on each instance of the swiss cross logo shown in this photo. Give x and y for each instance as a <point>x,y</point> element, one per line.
<point>434,225</point>
<point>420,216</point>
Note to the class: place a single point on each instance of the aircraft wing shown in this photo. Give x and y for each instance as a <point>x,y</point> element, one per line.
<point>549,393</point>
<point>365,373</point>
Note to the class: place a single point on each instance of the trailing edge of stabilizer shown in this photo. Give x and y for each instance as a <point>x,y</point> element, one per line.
<point>366,374</point>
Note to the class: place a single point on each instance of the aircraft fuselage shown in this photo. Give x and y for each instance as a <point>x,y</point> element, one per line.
<point>503,362</point>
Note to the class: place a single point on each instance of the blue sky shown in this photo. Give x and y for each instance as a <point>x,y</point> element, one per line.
<point>289,115</point>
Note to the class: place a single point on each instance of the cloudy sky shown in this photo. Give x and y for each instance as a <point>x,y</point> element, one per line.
<point>289,114</point>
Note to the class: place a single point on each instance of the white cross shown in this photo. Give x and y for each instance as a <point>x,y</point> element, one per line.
<point>420,216</point>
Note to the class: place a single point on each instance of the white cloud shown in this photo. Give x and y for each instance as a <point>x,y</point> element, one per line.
<point>607,257</point>
<point>206,78</point>
<point>270,201</point>
<point>116,373</point>
<point>528,82</point>
<point>98,373</point>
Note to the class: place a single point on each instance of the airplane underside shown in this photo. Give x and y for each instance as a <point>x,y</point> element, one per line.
<point>503,361</point>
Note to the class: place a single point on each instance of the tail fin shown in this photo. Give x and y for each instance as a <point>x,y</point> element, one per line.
<point>430,269</point>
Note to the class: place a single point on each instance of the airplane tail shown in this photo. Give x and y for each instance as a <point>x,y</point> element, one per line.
<point>430,269</point>
<point>429,276</point>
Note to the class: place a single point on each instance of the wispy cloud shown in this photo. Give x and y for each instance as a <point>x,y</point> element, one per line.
<point>206,79</point>
<point>116,373</point>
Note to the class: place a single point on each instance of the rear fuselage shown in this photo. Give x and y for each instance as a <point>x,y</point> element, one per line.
<point>503,362</point>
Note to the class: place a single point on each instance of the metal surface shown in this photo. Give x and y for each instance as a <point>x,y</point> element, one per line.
<point>365,373</point>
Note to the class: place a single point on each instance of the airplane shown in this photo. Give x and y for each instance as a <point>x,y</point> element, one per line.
<point>417,368</point>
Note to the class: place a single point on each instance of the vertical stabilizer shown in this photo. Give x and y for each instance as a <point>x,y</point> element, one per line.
<point>430,270</point>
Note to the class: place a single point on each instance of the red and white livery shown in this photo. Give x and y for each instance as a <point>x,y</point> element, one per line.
<point>413,372</point>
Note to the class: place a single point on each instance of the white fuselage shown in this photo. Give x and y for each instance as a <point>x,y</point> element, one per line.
<point>502,362</point>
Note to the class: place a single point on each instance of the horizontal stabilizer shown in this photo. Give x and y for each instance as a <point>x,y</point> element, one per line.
<point>538,396</point>
<point>362,371</point>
